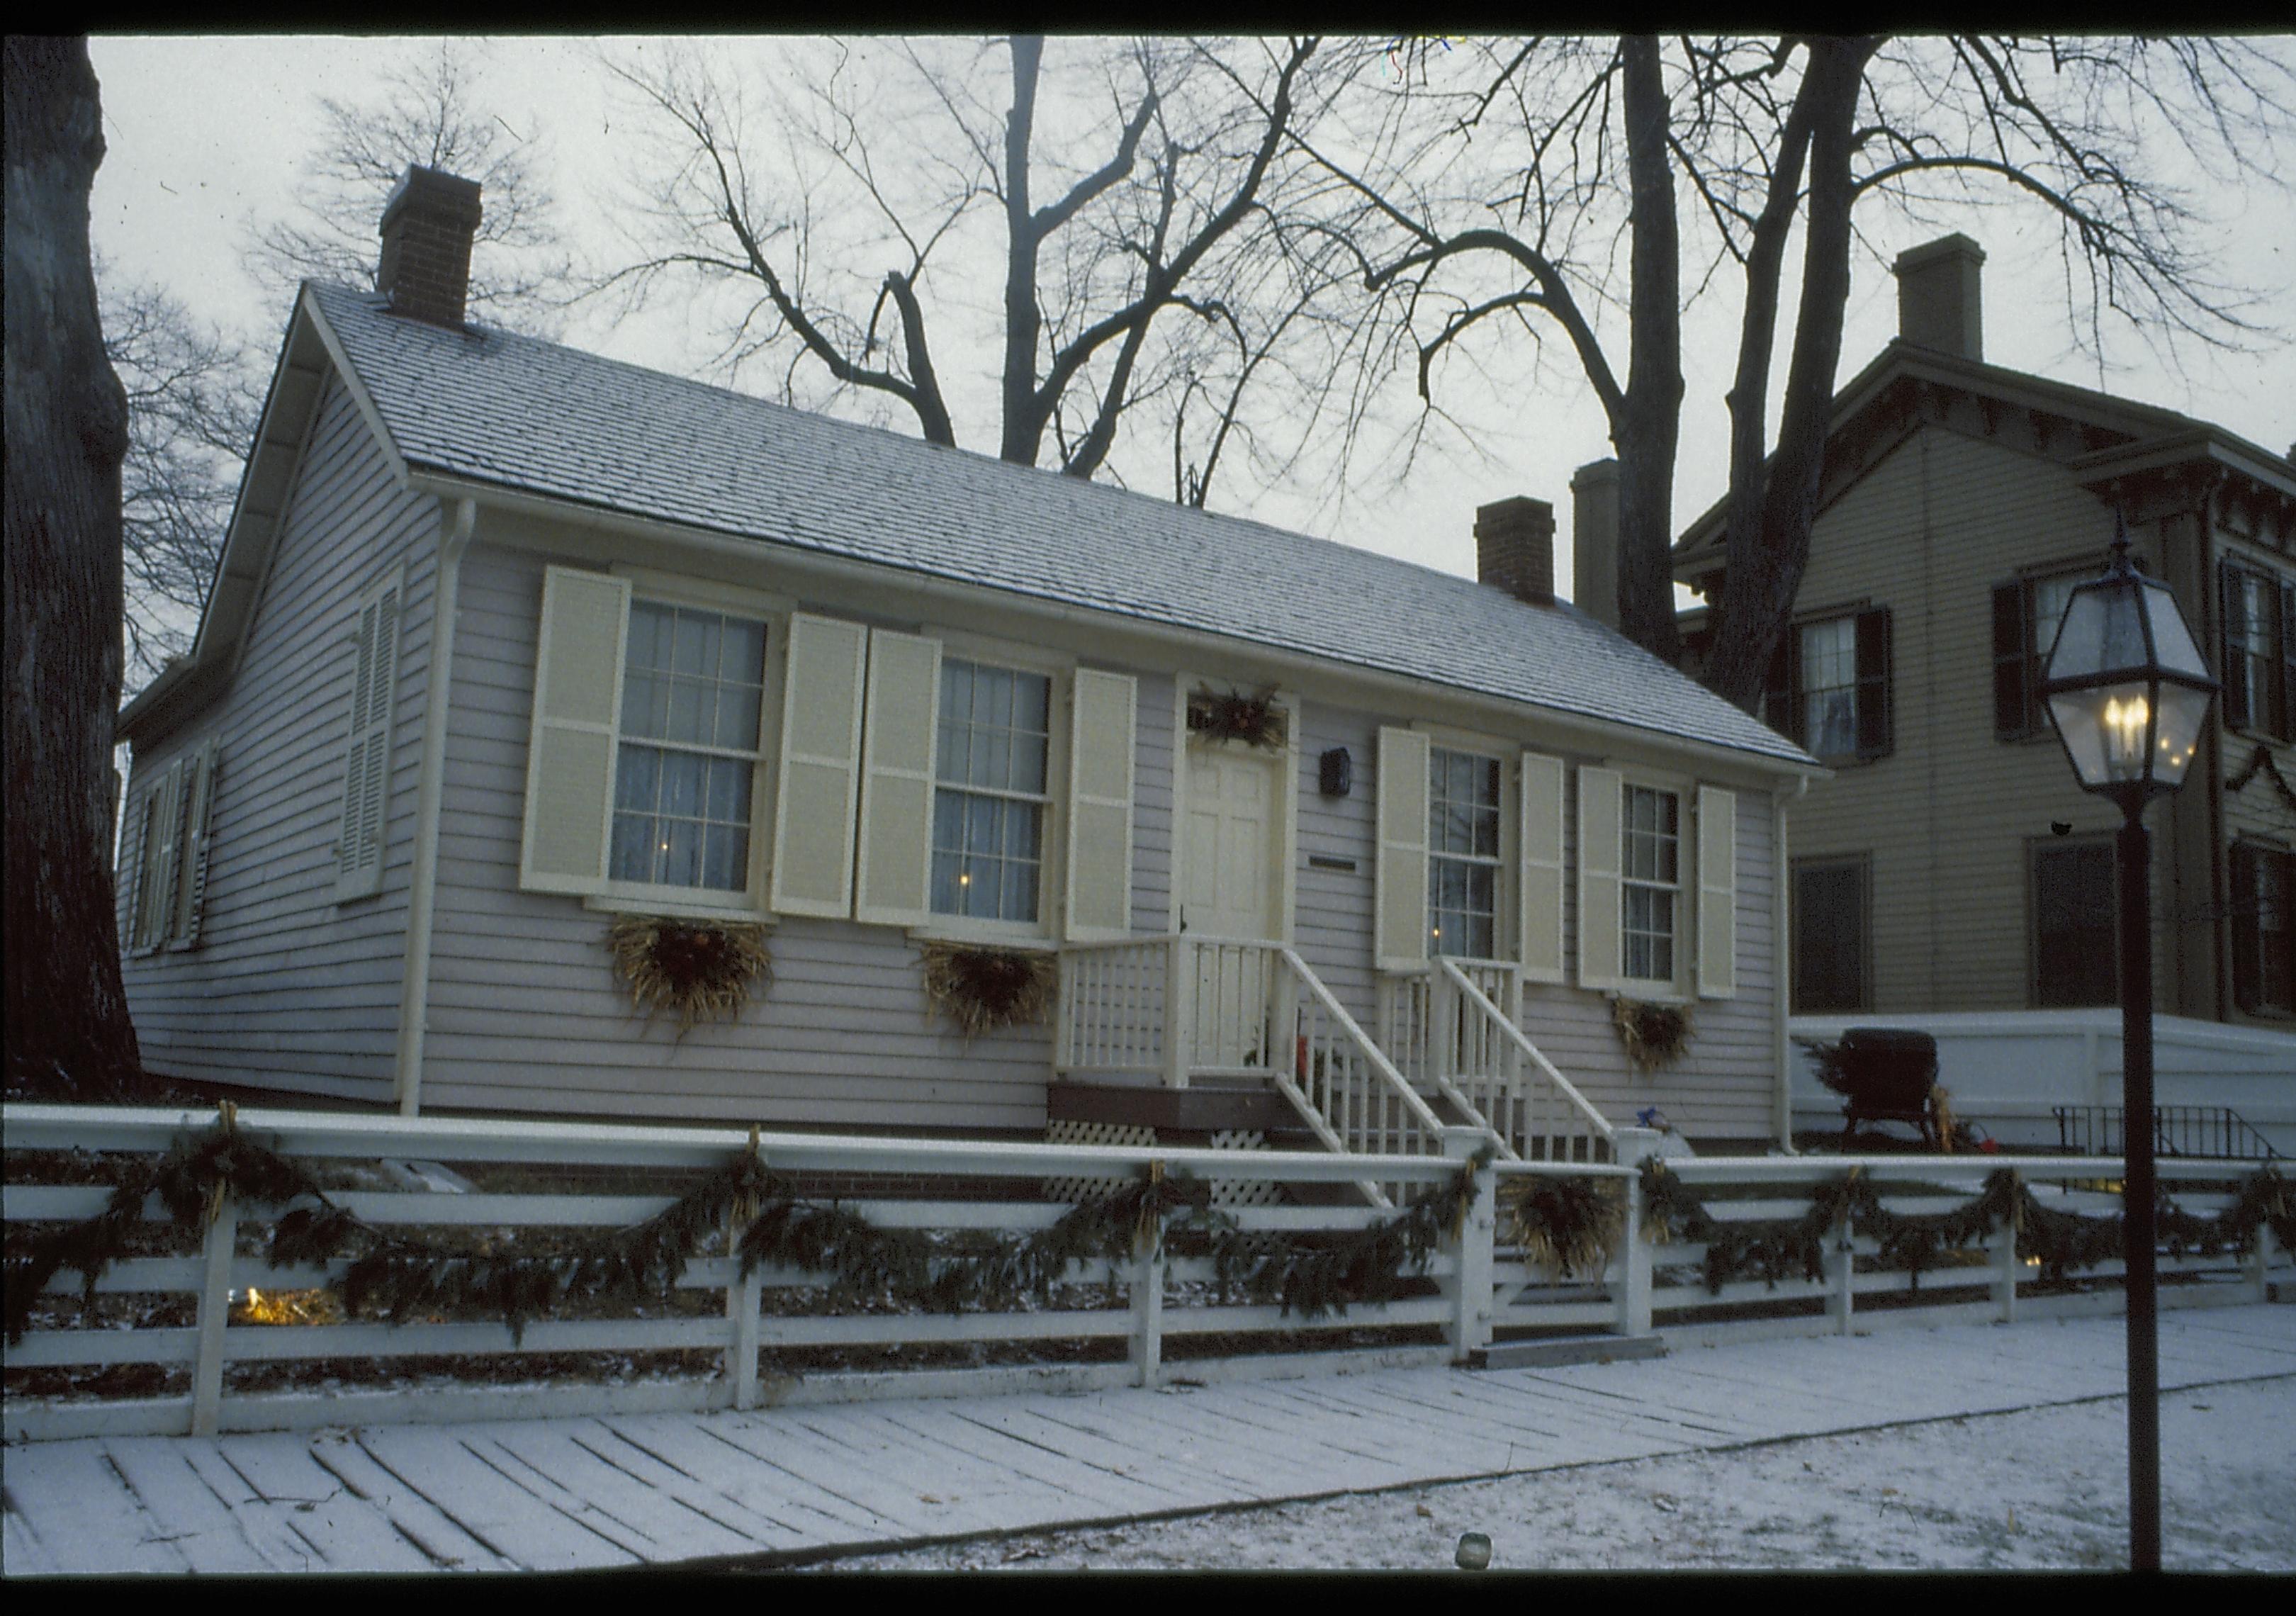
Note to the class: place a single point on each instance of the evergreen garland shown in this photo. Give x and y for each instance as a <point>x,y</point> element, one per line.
<point>403,1278</point>
<point>1775,1248</point>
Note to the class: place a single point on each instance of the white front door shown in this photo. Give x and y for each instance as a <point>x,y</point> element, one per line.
<point>1229,889</point>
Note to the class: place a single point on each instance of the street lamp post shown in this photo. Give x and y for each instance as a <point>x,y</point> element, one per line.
<point>2128,692</point>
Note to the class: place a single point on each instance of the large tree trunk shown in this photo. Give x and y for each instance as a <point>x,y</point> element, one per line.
<point>1762,571</point>
<point>1650,418</point>
<point>68,1030</point>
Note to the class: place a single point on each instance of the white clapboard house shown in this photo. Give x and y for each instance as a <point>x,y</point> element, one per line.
<point>509,641</point>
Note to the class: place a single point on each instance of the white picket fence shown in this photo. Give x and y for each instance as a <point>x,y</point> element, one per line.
<point>1481,1290</point>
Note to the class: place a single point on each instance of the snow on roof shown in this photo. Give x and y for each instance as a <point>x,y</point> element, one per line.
<point>543,419</point>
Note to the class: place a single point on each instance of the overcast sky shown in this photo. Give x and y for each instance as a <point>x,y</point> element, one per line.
<point>200,133</point>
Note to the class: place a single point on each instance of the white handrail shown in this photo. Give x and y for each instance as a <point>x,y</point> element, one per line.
<point>1465,984</point>
<point>1356,1034</point>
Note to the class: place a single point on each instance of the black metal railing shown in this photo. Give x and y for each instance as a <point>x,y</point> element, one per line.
<point>2204,1132</point>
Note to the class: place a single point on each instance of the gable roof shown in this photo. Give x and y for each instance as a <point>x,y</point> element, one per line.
<point>498,410</point>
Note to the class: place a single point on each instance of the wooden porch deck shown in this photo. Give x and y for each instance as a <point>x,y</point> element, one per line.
<point>777,1486</point>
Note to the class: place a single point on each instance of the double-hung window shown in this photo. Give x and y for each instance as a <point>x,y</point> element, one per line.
<point>688,739</point>
<point>2260,652</point>
<point>1462,854</point>
<point>2263,928</point>
<point>687,762</point>
<point>2026,614</point>
<point>991,793</point>
<point>1829,685</point>
<point>1651,883</point>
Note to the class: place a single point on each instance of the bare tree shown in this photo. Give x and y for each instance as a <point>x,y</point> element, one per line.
<point>1154,195</point>
<point>1771,135</point>
<point>195,396</point>
<point>68,1029</point>
<point>431,114</point>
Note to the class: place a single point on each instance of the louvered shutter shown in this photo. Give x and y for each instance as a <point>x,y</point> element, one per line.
<point>1874,726</point>
<point>1717,893</point>
<point>1601,861</point>
<point>133,882</point>
<point>366,761</point>
<point>903,723</point>
<point>820,766</point>
<point>163,818</point>
<point>1101,739</point>
<point>1781,708</point>
<point>191,882</point>
<point>2287,730</point>
<point>2236,715</point>
<point>2012,660</point>
<point>1540,895</point>
<point>577,707</point>
<point>2247,928</point>
<point>1399,874</point>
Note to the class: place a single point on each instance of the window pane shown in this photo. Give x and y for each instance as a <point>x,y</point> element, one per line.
<point>1034,703</point>
<point>695,650</point>
<point>726,857</point>
<point>738,709</point>
<point>637,777</point>
<point>632,847</point>
<point>681,864</point>
<point>681,784</point>
<point>729,791</point>
<point>743,660</point>
<point>649,626</point>
<point>690,718</point>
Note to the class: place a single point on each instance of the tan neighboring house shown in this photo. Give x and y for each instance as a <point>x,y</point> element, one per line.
<point>1951,864</point>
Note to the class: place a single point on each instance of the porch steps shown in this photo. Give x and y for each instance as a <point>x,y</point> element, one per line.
<point>1561,1350</point>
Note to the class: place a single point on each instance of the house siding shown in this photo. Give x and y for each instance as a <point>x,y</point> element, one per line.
<point>527,1013</point>
<point>288,989</point>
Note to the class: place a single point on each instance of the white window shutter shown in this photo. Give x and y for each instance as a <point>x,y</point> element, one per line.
<point>366,761</point>
<point>1101,739</point>
<point>163,820</point>
<point>578,709</point>
<point>1600,865</point>
<point>192,883</point>
<point>892,880</point>
<point>1540,898</point>
<point>1399,874</point>
<point>820,766</point>
<point>1717,893</point>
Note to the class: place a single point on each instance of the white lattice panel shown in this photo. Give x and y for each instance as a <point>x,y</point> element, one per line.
<point>1243,1191</point>
<point>1064,1131</point>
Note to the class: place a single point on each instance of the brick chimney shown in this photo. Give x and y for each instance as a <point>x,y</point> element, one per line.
<point>427,228</point>
<point>1594,540</point>
<point>1514,547</point>
<point>1938,302</point>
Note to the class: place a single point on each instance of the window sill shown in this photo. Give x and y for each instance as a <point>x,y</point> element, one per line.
<point>1018,942</point>
<point>675,907</point>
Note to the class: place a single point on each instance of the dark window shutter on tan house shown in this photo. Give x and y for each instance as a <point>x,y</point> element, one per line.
<point>2246,931</point>
<point>1874,716</point>
<point>2234,663</point>
<point>2011,699</point>
<point>1781,689</point>
<point>2287,661</point>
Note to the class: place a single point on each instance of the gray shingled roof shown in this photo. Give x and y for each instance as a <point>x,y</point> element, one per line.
<point>553,421</point>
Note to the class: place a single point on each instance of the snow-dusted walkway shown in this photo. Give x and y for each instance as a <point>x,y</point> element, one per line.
<point>799,1483</point>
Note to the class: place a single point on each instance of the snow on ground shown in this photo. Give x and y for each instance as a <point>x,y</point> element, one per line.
<point>2042,1489</point>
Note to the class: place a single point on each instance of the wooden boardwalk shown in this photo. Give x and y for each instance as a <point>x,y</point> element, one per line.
<point>800,1483</point>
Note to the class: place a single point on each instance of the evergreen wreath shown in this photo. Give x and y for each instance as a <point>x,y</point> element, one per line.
<point>981,989</point>
<point>402,1278</point>
<point>1254,719</point>
<point>1654,1035</point>
<point>703,970</point>
<point>1565,1225</point>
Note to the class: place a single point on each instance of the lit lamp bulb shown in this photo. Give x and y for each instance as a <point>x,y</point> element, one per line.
<point>2124,729</point>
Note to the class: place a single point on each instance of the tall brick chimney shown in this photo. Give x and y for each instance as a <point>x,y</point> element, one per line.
<point>1594,540</point>
<point>1514,547</point>
<point>427,225</point>
<point>1938,302</point>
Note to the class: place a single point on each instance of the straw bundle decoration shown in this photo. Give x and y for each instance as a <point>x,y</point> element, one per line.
<point>704,971</point>
<point>1654,1035</point>
<point>1566,1227</point>
<point>981,989</point>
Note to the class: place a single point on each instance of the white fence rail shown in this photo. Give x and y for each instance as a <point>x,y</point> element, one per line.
<point>779,1335</point>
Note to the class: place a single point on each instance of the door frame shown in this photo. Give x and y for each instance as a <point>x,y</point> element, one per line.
<point>1285,854</point>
